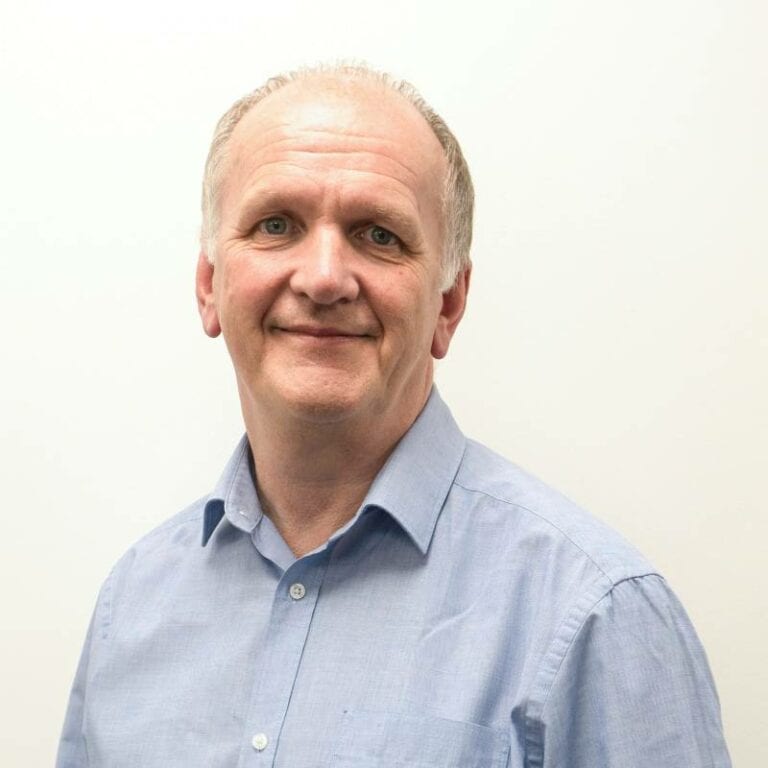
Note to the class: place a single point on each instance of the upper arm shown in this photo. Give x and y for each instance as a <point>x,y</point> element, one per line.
<point>630,687</point>
<point>72,751</point>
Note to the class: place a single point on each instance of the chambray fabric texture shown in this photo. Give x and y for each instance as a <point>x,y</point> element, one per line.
<point>467,616</point>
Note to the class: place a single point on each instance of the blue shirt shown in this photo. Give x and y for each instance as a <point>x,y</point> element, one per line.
<point>468,616</point>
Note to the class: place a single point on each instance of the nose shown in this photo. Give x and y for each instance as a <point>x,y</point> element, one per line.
<point>323,271</point>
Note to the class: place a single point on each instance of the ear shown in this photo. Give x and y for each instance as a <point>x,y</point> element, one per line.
<point>454,302</point>
<point>206,304</point>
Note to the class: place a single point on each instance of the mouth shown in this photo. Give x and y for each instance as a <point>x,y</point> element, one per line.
<point>321,333</point>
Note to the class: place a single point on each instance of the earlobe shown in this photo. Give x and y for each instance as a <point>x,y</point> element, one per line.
<point>454,303</point>
<point>206,304</point>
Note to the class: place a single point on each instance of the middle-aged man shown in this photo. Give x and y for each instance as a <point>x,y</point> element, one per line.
<point>372,588</point>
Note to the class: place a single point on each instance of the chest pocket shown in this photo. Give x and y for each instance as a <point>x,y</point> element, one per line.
<point>385,740</point>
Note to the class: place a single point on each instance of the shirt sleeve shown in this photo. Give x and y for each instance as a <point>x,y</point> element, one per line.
<point>72,752</point>
<point>630,689</point>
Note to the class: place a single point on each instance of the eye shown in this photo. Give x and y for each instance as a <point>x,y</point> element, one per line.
<point>380,236</point>
<point>274,225</point>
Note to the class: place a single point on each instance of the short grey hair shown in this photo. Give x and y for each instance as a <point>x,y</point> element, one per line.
<point>458,192</point>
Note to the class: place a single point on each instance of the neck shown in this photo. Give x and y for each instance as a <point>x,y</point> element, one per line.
<point>312,477</point>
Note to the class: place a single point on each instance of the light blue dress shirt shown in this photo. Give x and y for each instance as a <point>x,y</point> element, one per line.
<point>468,616</point>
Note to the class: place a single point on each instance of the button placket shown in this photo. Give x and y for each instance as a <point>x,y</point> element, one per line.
<point>282,649</point>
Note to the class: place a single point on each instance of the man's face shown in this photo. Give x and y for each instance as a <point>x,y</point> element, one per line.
<point>326,283</point>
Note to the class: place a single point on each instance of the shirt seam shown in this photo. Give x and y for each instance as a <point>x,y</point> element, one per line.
<point>188,516</point>
<point>549,523</point>
<point>147,543</point>
<point>106,621</point>
<point>544,681</point>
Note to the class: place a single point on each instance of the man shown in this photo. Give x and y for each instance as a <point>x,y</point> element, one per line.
<point>372,588</point>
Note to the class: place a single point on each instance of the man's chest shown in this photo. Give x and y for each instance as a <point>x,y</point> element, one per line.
<point>327,664</point>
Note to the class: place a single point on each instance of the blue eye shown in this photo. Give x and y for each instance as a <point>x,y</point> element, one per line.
<point>274,225</point>
<point>381,236</point>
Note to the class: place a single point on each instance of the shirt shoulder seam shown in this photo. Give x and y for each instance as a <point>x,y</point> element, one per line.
<point>105,598</point>
<point>188,515</point>
<point>549,522</point>
<point>553,659</point>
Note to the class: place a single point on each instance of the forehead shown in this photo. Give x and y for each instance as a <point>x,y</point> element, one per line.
<point>362,127</point>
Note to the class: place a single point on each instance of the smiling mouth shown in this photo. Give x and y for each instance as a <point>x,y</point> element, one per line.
<point>321,333</point>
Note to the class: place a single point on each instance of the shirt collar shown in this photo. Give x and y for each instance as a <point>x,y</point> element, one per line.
<point>234,495</point>
<point>411,486</point>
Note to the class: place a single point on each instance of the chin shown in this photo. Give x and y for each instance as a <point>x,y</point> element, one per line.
<point>326,401</point>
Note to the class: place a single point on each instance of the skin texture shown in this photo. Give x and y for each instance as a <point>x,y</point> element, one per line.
<point>326,288</point>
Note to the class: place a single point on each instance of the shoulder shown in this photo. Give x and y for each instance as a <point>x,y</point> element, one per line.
<point>527,509</point>
<point>156,554</point>
<point>178,532</point>
<point>633,668</point>
<point>609,640</point>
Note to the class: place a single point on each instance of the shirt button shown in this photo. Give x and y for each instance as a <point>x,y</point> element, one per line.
<point>297,591</point>
<point>260,741</point>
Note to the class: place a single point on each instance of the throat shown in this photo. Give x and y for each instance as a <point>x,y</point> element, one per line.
<point>306,515</point>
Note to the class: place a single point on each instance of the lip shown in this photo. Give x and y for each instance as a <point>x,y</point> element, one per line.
<point>321,332</point>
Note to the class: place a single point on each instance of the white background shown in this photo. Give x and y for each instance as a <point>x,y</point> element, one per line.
<point>617,331</point>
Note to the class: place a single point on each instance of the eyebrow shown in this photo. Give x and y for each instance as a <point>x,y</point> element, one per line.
<point>391,215</point>
<point>265,198</point>
<point>357,207</point>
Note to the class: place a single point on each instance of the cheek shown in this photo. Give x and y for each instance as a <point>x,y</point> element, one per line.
<point>247,292</point>
<point>401,287</point>
<point>410,314</point>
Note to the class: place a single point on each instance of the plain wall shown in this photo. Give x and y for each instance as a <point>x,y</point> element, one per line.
<point>617,331</point>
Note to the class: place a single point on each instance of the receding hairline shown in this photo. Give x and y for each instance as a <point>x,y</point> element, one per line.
<point>356,79</point>
<point>355,89</point>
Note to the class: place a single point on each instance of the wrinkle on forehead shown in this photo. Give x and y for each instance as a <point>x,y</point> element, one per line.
<point>326,116</point>
<point>304,159</point>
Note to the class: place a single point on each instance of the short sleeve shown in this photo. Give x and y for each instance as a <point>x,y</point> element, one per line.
<point>632,689</point>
